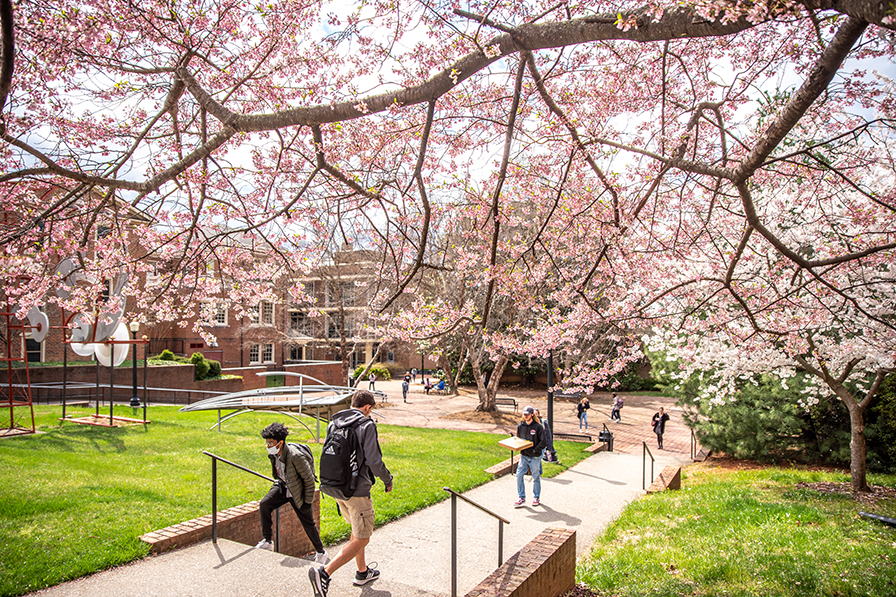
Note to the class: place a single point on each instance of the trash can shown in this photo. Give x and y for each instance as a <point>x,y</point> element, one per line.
<point>607,437</point>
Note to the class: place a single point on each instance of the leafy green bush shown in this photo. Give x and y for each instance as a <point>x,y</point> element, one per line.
<point>201,365</point>
<point>381,371</point>
<point>214,367</point>
<point>166,355</point>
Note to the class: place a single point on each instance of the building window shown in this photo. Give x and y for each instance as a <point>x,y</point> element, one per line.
<point>33,350</point>
<point>296,352</point>
<point>390,357</point>
<point>262,313</point>
<point>103,231</point>
<point>299,323</point>
<point>261,353</point>
<point>214,314</point>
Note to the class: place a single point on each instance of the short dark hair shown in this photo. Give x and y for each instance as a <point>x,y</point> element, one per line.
<point>363,398</point>
<point>277,431</point>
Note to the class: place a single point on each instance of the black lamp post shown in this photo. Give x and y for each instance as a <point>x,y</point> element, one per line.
<point>135,327</point>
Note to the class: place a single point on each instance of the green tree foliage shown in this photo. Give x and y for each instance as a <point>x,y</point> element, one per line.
<point>769,419</point>
<point>166,355</point>
<point>381,371</point>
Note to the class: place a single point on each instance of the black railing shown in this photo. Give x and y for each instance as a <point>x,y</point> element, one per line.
<point>501,523</point>
<point>215,460</point>
<point>644,453</point>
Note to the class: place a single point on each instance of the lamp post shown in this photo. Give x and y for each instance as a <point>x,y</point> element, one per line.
<point>135,327</point>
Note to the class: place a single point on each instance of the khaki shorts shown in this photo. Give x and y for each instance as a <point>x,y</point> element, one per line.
<point>358,512</point>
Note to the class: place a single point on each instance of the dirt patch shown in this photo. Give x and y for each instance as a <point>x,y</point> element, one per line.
<point>876,494</point>
<point>474,416</point>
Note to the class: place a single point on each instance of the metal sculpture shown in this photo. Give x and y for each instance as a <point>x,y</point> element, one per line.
<point>317,399</point>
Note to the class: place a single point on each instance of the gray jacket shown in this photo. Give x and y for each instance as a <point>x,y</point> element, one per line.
<point>299,474</point>
<point>371,456</point>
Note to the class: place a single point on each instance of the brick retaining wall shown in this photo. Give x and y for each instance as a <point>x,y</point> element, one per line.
<point>545,567</point>
<point>241,524</point>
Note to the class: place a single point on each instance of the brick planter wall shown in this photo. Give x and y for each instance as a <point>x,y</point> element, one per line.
<point>241,524</point>
<point>164,379</point>
<point>545,567</point>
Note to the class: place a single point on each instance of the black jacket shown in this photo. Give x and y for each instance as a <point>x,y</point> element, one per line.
<point>535,434</point>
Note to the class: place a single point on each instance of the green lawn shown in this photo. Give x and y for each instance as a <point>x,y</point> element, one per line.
<point>75,498</point>
<point>746,533</point>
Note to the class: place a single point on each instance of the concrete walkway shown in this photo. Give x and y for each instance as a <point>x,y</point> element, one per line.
<point>413,553</point>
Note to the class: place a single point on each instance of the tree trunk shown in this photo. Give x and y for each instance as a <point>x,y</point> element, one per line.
<point>857,460</point>
<point>487,393</point>
<point>460,369</point>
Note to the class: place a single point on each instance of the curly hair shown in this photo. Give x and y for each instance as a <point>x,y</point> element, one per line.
<point>277,431</point>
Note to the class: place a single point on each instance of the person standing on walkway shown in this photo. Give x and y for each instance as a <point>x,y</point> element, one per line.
<point>413,375</point>
<point>530,458</point>
<point>659,426</point>
<point>617,407</point>
<point>356,509</point>
<point>292,466</point>
<point>405,384</point>
<point>582,409</point>
<point>371,379</point>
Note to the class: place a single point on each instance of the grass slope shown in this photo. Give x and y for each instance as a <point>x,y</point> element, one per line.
<point>749,532</point>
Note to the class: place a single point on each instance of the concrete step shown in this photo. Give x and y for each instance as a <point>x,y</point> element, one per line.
<point>225,568</point>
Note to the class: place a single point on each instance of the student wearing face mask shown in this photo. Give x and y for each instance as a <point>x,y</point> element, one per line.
<point>293,471</point>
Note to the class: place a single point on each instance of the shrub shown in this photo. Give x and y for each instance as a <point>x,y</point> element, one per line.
<point>166,355</point>
<point>201,365</point>
<point>214,368</point>
<point>381,371</point>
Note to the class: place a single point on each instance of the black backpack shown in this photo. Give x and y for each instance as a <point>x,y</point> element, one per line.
<point>340,460</point>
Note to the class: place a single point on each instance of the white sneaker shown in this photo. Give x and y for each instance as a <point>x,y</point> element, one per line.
<point>265,544</point>
<point>322,558</point>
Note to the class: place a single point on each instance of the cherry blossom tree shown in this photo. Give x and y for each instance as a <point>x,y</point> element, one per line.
<point>583,150</point>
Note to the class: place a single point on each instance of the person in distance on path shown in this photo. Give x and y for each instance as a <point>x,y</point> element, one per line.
<point>530,458</point>
<point>357,510</point>
<point>659,426</point>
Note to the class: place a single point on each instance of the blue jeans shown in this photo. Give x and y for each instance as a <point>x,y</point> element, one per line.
<point>583,419</point>
<point>529,463</point>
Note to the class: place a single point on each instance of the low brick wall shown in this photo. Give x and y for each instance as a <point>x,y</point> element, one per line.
<point>670,478</point>
<point>241,524</point>
<point>545,567</point>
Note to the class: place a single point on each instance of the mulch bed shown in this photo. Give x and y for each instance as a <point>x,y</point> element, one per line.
<point>876,494</point>
<point>474,416</point>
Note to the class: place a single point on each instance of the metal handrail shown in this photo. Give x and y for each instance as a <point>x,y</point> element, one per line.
<point>501,522</point>
<point>644,454</point>
<point>215,458</point>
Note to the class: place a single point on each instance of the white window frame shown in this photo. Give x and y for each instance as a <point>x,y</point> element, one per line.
<point>261,354</point>
<point>219,317</point>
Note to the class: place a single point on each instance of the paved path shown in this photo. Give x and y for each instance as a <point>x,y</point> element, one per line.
<point>413,553</point>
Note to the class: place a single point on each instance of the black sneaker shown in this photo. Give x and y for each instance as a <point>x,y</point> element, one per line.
<point>320,581</point>
<point>362,578</point>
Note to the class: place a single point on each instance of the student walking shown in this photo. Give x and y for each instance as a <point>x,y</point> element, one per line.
<point>617,407</point>
<point>292,467</point>
<point>371,379</point>
<point>352,497</point>
<point>530,458</point>
<point>659,426</point>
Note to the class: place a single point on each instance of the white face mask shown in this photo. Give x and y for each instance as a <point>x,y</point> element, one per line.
<point>273,450</point>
